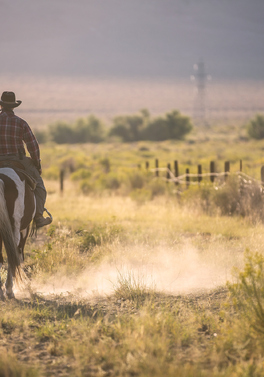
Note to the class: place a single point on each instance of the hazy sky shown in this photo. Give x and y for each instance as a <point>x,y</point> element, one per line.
<point>149,38</point>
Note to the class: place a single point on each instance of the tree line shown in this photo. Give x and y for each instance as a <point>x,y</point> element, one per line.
<point>125,128</point>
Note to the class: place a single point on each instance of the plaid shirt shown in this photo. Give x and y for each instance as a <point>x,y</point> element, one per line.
<point>13,132</point>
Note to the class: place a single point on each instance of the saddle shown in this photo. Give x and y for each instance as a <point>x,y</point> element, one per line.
<point>19,168</point>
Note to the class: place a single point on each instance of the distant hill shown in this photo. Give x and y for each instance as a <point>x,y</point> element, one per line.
<point>133,38</point>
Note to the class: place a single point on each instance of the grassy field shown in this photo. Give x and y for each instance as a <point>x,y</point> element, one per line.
<point>130,279</point>
<point>219,143</point>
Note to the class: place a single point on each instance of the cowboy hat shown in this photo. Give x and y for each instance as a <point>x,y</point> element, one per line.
<point>8,99</point>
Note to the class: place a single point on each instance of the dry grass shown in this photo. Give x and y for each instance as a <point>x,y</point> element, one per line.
<point>127,287</point>
<point>145,301</point>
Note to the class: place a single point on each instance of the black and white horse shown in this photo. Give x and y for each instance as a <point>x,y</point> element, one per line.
<point>17,210</point>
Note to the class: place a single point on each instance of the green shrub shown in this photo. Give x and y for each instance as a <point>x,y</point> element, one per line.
<point>105,162</point>
<point>61,133</point>
<point>255,128</point>
<point>80,174</point>
<point>241,197</point>
<point>200,197</point>
<point>136,180</point>
<point>68,163</point>
<point>41,136</point>
<point>178,125</point>
<point>89,130</point>
<point>112,181</point>
<point>235,196</point>
<point>52,172</point>
<point>98,235</point>
<point>127,127</point>
<point>157,187</point>
<point>86,186</point>
<point>227,197</point>
<point>142,127</point>
<point>251,200</point>
<point>172,126</point>
<point>141,195</point>
<point>156,130</point>
<point>248,291</point>
<point>120,133</point>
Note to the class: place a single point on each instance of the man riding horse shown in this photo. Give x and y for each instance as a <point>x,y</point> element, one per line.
<point>14,133</point>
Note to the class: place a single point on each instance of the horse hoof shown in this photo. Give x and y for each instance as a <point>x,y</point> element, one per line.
<point>10,295</point>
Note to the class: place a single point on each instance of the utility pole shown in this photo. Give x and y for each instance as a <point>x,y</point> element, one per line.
<point>200,78</point>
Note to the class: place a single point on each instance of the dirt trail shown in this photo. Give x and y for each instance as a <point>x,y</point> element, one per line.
<point>43,351</point>
<point>174,272</point>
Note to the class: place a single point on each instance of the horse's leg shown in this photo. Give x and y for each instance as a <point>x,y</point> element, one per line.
<point>21,245</point>
<point>9,284</point>
<point>1,264</point>
<point>23,237</point>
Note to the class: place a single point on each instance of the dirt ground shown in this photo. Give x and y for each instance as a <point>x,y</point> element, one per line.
<point>42,353</point>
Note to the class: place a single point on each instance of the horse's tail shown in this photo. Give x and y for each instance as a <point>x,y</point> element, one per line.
<point>8,236</point>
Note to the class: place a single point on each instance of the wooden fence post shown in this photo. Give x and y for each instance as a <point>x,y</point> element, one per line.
<point>157,166</point>
<point>176,171</point>
<point>227,169</point>
<point>262,175</point>
<point>187,178</point>
<point>200,173</point>
<point>168,173</point>
<point>61,180</point>
<point>212,171</point>
<point>147,165</point>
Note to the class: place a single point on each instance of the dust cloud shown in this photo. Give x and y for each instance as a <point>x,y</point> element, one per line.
<point>174,271</point>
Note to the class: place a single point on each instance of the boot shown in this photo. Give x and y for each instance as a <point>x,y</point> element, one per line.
<point>40,195</point>
<point>41,221</point>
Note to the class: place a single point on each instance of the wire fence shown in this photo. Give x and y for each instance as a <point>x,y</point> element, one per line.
<point>187,179</point>
<point>218,179</point>
<point>197,178</point>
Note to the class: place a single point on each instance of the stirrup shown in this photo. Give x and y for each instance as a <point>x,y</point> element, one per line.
<point>45,210</point>
<point>43,221</point>
<point>35,226</point>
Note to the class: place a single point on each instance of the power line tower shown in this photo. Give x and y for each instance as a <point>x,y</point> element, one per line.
<point>200,79</point>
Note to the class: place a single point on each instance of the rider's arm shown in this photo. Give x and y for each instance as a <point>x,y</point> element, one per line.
<point>32,145</point>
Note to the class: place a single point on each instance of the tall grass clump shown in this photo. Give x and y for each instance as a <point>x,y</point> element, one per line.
<point>239,196</point>
<point>10,367</point>
<point>227,197</point>
<point>248,291</point>
<point>234,197</point>
<point>97,235</point>
<point>239,346</point>
<point>130,286</point>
